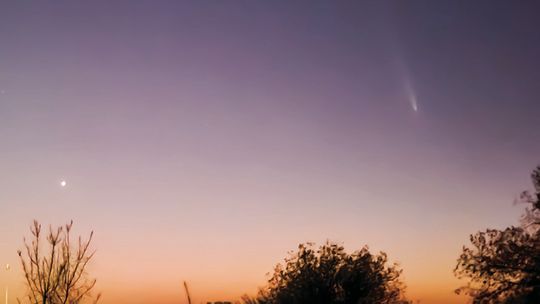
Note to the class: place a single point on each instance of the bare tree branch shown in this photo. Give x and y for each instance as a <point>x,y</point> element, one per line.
<point>57,276</point>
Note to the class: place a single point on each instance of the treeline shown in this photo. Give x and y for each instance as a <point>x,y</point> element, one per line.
<point>499,266</point>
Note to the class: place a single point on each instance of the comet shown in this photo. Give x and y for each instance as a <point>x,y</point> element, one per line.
<point>406,82</point>
<point>414,102</point>
<point>411,94</point>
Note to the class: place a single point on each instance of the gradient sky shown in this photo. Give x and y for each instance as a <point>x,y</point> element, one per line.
<point>203,140</point>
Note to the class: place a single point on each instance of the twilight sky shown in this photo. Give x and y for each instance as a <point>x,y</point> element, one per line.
<point>203,140</point>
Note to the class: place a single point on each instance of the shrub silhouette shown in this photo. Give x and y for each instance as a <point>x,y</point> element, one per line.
<point>331,276</point>
<point>503,266</point>
<point>58,275</point>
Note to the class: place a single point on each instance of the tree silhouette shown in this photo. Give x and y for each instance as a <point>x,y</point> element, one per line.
<point>530,221</point>
<point>328,275</point>
<point>503,266</point>
<point>58,275</point>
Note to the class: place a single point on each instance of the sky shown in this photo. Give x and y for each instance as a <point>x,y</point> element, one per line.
<point>203,140</point>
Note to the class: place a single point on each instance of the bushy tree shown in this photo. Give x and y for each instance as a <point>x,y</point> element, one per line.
<point>328,275</point>
<point>503,266</point>
<point>58,274</point>
<point>531,219</point>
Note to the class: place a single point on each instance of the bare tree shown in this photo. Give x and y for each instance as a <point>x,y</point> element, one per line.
<point>58,274</point>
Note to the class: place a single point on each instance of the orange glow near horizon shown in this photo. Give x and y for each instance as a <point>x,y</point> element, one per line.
<point>155,282</point>
<point>226,271</point>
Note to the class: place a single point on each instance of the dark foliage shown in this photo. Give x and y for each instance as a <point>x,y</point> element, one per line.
<point>503,266</point>
<point>331,276</point>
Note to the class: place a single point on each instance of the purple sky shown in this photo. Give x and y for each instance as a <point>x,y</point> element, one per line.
<point>203,140</point>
